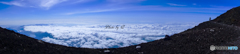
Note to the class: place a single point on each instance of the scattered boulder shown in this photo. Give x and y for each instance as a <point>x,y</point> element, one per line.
<point>106,50</point>
<point>40,41</point>
<point>167,37</point>
<point>138,47</point>
<point>211,30</point>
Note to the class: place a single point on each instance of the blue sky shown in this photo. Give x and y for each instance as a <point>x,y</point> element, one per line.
<point>22,12</point>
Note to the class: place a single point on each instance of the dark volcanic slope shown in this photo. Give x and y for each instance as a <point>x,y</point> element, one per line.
<point>15,43</point>
<point>230,17</point>
<point>192,41</point>
<point>220,31</point>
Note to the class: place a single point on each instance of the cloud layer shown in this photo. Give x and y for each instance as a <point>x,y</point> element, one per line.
<point>96,36</point>
<point>173,4</point>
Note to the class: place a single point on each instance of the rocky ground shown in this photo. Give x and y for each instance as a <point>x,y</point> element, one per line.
<point>231,17</point>
<point>192,41</point>
<point>15,43</point>
<point>222,31</point>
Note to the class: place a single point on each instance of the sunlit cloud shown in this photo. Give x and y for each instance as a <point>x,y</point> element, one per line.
<point>124,1</point>
<point>92,11</point>
<point>45,4</point>
<point>13,3</point>
<point>173,4</point>
<point>49,3</point>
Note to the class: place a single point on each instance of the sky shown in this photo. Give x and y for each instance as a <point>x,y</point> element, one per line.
<point>23,12</point>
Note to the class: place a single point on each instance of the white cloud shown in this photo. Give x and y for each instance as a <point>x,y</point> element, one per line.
<point>46,4</point>
<point>213,9</point>
<point>13,3</point>
<point>51,40</point>
<point>124,1</point>
<point>82,1</point>
<point>96,36</point>
<point>92,11</point>
<point>49,3</point>
<point>172,4</point>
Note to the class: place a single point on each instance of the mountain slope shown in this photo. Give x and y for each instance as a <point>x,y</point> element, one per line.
<point>12,43</point>
<point>230,17</point>
<point>192,41</point>
<point>219,31</point>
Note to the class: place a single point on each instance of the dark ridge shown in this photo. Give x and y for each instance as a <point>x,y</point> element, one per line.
<point>192,41</point>
<point>197,40</point>
<point>220,31</point>
<point>15,43</point>
<point>231,17</point>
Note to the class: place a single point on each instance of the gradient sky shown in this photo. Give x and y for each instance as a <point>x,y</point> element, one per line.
<point>22,12</point>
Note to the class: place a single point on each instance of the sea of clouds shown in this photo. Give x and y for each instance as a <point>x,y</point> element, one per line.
<point>98,36</point>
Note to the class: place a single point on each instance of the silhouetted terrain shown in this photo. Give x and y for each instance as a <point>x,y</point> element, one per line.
<point>15,43</point>
<point>231,17</point>
<point>222,31</point>
<point>195,40</point>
